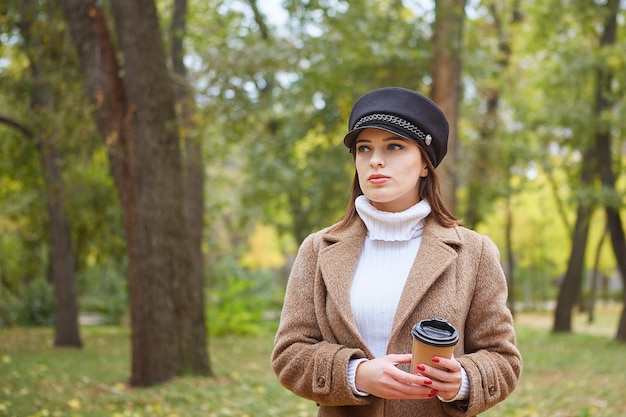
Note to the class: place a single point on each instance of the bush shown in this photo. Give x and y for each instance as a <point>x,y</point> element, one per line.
<point>241,302</point>
<point>10,306</point>
<point>37,306</point>
<point>105,292</point>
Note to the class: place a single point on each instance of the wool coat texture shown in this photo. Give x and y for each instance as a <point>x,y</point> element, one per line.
<point>456,275</point>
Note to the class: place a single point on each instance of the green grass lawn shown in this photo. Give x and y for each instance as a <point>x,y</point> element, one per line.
<point>570,375</point>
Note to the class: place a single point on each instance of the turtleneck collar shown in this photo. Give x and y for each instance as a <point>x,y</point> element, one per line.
<point>389,226</point>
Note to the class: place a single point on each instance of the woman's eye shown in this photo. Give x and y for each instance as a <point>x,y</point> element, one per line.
<point>395,147</point>
<point>362,148</point>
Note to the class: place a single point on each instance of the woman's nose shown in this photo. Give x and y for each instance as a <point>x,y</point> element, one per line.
<point>376,160</point>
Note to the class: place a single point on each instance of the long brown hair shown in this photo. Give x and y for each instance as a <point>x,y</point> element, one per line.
<point>429,190</point>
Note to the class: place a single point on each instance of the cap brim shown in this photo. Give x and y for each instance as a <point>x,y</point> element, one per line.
<point>350,138</point>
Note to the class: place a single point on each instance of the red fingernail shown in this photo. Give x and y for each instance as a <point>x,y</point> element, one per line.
<point>421,368</point>
<point>435,359</point>
<point>433,393</point>
<point>428,382</point>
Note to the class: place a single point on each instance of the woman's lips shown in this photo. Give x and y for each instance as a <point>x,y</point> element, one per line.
<point>377,178</point>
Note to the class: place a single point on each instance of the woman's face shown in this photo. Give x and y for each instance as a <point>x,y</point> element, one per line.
<point>389,168</point>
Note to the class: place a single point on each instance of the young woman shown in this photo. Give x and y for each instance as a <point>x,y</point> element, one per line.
<point>396,257</point>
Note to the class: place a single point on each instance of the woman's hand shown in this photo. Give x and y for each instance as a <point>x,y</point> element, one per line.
<point>381,377</point>
<point>447,381</point>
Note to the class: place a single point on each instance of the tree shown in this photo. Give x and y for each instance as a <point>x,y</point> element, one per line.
<point>488,159</point>
<point>605,99</point>
<point>61,269</point>
<point>596,163</point>
<point>194,190</point>
<point>136,116</point>
<point>570,286</point>
<point>446,85</point>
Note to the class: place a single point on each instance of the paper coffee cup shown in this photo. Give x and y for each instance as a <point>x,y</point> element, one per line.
<point>433,337</point>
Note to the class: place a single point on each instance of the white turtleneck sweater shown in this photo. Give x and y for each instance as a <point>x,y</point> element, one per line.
<point>389,251</point>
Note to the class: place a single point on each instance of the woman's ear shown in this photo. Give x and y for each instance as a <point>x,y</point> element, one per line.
<point>424,172</point>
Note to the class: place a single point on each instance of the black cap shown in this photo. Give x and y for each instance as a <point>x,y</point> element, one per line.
<point>405,113</point>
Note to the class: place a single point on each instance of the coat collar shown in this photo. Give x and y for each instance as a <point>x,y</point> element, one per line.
<point>339,257</point>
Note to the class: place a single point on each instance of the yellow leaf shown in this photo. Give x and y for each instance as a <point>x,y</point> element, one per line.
<point>157,407</point>
<point>74,404</point>
<point>119,386</point>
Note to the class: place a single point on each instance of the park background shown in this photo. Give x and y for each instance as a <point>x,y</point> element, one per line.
<point>162,160</point>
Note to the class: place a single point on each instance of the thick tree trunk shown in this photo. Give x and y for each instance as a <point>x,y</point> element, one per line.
<point>61,269</point>
<point>194,354</point>
<point>159,289</point>
<point>445,89</point>
<point>137,118</point>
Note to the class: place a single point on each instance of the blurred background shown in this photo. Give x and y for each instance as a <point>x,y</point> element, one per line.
<point>170,156</point>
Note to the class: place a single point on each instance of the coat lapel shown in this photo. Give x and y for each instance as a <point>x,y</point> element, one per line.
<point>337,262</point>
<point>434,256</point>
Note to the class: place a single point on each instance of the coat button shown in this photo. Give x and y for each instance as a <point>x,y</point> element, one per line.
<point>321,381</point>
<point>492,390</point>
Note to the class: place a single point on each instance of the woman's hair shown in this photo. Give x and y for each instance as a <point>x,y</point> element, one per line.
<point>428,190</point>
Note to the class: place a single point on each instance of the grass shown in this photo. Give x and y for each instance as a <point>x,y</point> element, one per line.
<point>566,375</point>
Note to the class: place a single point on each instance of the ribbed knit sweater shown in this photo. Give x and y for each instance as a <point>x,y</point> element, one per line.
<point>388,253</point>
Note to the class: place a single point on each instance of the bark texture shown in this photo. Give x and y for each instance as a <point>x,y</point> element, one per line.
<point>135,113</point>
<point>445,89</point>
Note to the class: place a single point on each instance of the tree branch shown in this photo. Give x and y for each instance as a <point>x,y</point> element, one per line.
<point>17,125</point>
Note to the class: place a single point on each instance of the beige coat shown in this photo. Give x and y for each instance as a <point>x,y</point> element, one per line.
<point>456,275</point>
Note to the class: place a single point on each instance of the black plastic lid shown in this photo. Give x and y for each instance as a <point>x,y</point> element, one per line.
<point>436,332</point>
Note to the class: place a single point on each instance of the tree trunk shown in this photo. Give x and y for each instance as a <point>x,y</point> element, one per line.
<point>621,328</point>
<point>570,288</point>
<point>97,55</point>
<point>485,148</point>
<point>445,88</point>
<point>196,359</point>
<point>136,116</point>
<point>596,276</point>
<point>510,255</point>
<point>61,269</point>
<point>160,289</point>
<point>605,161</point>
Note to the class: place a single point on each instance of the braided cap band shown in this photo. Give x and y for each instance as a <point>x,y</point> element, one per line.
<point>379,117</point>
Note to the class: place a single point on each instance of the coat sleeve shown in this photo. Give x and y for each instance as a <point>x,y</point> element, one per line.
<point>492,361</point>
<point>303,360</point>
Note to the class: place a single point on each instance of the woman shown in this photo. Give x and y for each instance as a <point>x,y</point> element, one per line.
<point>396,257</point>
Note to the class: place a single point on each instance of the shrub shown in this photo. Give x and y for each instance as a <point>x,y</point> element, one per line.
<point>37,306</point>
<point>241,302</point>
